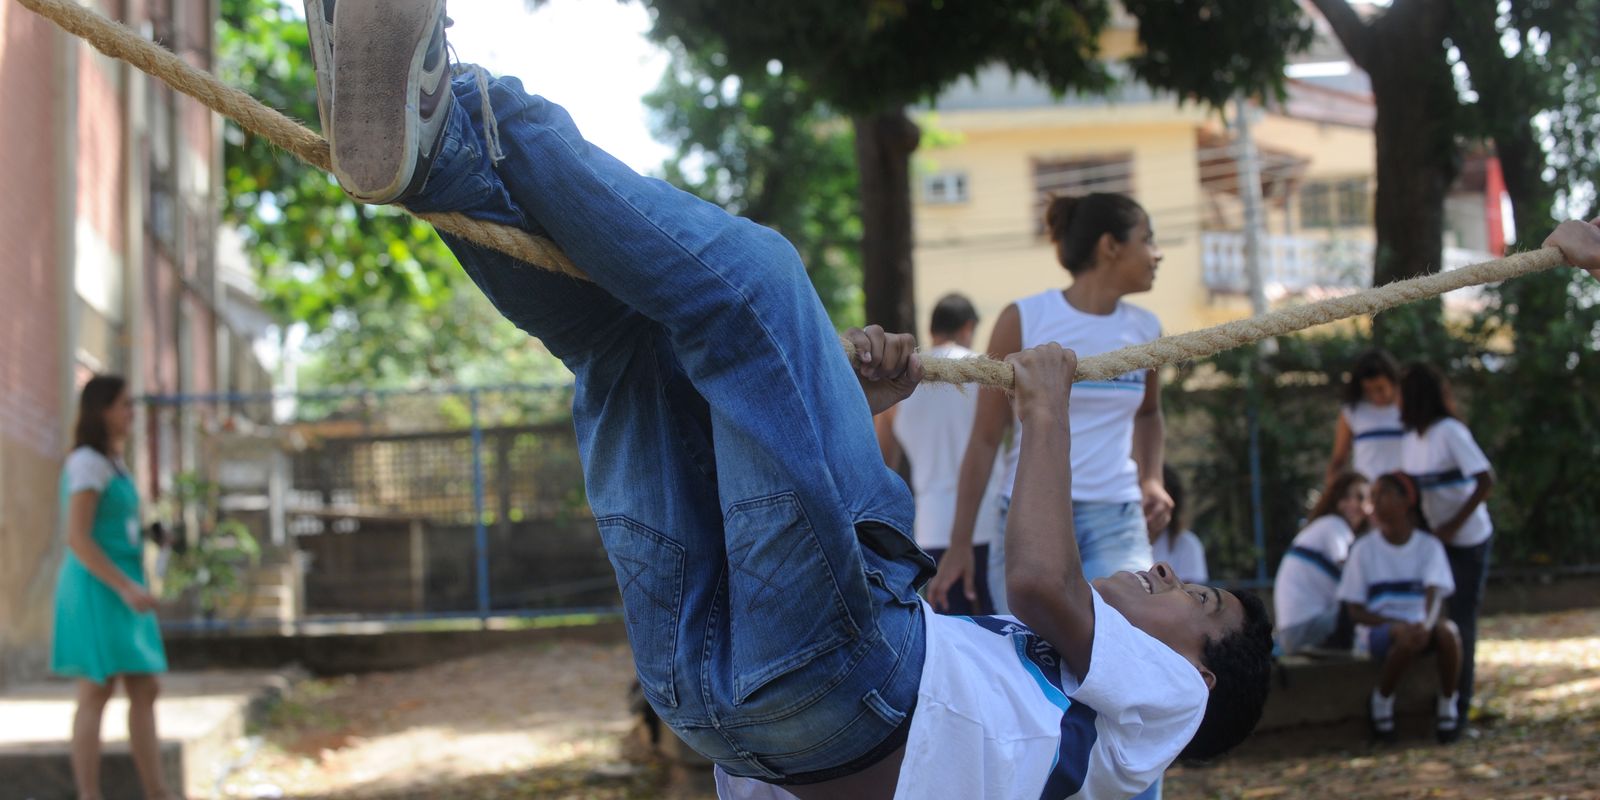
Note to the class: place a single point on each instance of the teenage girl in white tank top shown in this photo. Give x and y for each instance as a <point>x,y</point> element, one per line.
<point>1107,244</point>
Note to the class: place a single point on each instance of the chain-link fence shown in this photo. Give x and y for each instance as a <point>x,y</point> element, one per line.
<point>396,506</point>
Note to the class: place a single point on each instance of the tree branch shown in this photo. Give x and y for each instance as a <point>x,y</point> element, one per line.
<point>1352,32</point>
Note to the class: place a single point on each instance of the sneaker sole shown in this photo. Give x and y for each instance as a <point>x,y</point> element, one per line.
<point>322,57</point>
<point>378,57</point>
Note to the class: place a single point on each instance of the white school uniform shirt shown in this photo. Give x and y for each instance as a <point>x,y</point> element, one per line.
<point>1444,460</point>
<point>1375,433</point>
<point>933,426</point>
<point>1392,581</point>
<point>1308,577</point>
<point>87,469</point>
<point>1185,553</point>
<point>1000,717</point>
<point>1101,412</point>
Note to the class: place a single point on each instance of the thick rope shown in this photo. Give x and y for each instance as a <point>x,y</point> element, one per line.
<point>120,42</point>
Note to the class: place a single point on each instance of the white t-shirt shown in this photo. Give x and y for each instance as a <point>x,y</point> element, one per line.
<point>1392,581</point>
<point>1185,553</point>
<point>89,470</point>
<point>1308,577</point>
<point>933,426</point>
<point>1375,433</point>
<point>1101,416</point>
<point>1445,461</point>
<point>1000,717</point>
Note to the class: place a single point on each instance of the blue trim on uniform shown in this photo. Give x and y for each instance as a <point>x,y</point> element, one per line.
<point>1441,480</point>
<point>1070,768</point>
<point>1127,386</point>
<point>1317,560</point>
<point>1382,589</point>
<point>1381,433</point>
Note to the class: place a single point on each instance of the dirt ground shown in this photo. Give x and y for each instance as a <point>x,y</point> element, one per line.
<point>552,722</point>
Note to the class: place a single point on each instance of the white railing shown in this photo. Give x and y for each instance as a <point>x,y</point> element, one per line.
<point>1293,265</point>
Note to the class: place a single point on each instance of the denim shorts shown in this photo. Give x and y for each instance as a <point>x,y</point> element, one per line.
<point>1111,538</point>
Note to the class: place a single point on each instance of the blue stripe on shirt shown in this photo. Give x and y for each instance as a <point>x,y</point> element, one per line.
<point>1440,480</point>
<point>1129,386</point>
<point>1070,767</point>
<point>1381,433</point>
<point>1317,560</point>
<point>1394,589</point>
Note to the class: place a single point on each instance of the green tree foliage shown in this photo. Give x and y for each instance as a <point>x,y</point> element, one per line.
<point>1535,94</point>
<point>873,59</point>
<point>1526,369</point>
<point>765,148</point>
<point>384,299</point>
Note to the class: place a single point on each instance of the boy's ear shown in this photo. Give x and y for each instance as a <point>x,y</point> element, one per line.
<point>1208,676</point>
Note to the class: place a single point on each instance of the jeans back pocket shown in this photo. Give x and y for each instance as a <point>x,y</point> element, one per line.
<point>649,569</point>
<point>785,607</point>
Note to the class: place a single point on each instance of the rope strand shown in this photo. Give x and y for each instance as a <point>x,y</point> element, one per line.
<point>120,42</point>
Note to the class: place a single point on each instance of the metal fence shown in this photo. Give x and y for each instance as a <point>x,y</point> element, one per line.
<point>392,506</point>
<point>469,503</point>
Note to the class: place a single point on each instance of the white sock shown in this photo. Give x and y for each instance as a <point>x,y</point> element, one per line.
<point>1447,707</point>
<point>1382,707</point>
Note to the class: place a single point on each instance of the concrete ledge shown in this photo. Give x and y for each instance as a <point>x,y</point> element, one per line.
<point>1318,691</point>
<point>200,715</point>
<point>346,653</point>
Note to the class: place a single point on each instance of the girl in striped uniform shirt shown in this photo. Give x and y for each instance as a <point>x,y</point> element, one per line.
<point>1454,479</point>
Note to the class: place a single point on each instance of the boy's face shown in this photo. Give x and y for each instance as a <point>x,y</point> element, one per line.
<point>1183,616</point>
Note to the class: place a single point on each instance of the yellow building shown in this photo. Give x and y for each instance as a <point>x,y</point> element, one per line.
<point>1000,146</point>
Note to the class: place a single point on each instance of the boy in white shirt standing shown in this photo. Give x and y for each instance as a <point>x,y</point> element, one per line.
<point>1395,584</point>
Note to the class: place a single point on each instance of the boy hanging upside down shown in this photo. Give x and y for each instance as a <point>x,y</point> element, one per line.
<point>761,546</point>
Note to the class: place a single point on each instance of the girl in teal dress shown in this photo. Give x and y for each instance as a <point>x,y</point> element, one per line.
<point>105,628</point>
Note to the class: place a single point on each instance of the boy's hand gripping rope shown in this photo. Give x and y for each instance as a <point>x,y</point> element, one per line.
<point>118,41</point>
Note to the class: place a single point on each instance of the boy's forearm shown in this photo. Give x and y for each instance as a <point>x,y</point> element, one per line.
<point>1044,574</point>
<point>1041,501</point>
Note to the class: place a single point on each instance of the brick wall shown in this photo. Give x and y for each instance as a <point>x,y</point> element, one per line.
<point>31,372</point>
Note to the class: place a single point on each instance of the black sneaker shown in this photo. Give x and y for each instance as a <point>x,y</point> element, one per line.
<point>383,91</point>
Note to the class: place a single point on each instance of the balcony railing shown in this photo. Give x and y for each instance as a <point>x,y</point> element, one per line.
<point>1293,265</point>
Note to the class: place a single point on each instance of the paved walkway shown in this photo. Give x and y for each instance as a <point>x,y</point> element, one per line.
<point>199,715</point>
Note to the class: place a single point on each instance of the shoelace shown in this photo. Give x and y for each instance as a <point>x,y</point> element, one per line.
<point>491,126</point>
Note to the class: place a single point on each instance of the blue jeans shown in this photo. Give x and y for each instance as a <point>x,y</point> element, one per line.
<point>767,579</point>
<point>1469,566</point>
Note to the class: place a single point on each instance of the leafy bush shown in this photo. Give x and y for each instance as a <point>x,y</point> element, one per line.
<point>210,553</point>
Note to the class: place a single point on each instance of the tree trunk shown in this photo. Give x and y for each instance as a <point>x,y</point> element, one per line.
<point>1417,156</point>
<point>884,144</point>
